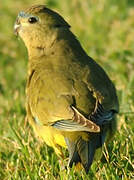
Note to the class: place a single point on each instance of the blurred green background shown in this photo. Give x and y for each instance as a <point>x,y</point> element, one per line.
<point>105,29</point>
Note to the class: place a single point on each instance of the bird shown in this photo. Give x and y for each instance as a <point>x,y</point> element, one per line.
<point>70,100</point>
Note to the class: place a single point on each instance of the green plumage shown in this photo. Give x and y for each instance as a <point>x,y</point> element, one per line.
<point>68,94</point>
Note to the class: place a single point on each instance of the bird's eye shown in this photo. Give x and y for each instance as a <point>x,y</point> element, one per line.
<point>32,20</point>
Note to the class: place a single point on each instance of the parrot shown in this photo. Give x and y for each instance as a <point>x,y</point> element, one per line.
<point>70,100</point>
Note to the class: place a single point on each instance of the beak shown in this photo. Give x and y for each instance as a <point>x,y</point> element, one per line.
<point>17,27</point>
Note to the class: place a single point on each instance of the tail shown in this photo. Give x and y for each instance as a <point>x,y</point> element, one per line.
<point>83,151</point>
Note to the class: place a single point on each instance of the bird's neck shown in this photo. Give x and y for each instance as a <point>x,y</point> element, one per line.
<point>67,45</point>
<point>40,48</point>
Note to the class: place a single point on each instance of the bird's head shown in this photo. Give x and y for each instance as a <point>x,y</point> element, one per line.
<point>39,26</point>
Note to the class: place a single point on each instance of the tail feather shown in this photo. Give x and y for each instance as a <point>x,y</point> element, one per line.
<point>74,157</point>
<point>83,151</point>
<point>86,151</point>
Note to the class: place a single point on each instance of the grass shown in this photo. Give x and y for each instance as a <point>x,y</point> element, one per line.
<point>106,31</point>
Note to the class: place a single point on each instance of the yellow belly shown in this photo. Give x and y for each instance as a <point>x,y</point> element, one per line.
<point>52,137</point>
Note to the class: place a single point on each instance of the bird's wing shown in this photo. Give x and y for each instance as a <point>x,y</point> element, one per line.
<point>102,87</point>
<point>78,123</point>
<point>97,119</point>
<point>100,116</point>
